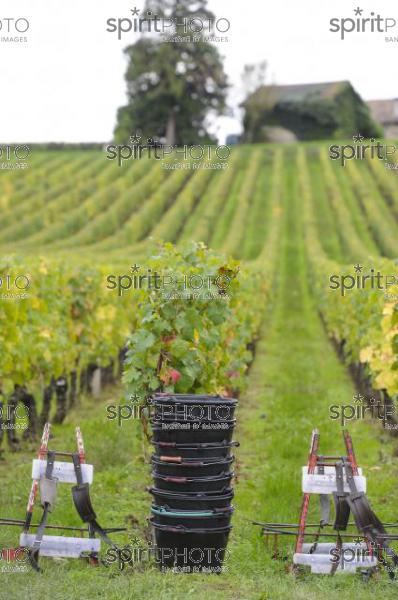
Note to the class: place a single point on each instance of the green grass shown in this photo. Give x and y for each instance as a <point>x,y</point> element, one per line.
<point>325,220</point>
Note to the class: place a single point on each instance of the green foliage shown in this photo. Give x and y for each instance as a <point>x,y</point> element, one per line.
<point>66,323</point>
<point>192,344</point>
<point>354,116</point>
<point>172,86</point>
<point>363,321</point>
<point>70,318</point>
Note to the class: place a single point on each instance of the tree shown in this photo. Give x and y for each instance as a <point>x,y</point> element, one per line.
<point>173,86</point>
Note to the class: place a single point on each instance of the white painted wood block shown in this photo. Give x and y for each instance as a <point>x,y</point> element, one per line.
<point>63,471</point>
<point>326,483</point>
<point>326,547</point>
<point>323,563</point>
<point>61,546</point>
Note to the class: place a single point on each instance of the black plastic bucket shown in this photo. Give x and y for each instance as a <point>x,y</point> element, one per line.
<point>202,519</point>
<point>192,501</point>
<point>184,432</point>
<point>182,396</point>
<point>191,467</point>
<point>192,408</point>
<point>214,450</point>
<point>190,550</point>
<point>192,484</point>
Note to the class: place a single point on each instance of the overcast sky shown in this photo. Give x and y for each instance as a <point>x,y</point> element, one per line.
<point>66,82</point>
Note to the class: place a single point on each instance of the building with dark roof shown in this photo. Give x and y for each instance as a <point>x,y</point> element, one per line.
<point>308,111</point>
<point>385,112</point>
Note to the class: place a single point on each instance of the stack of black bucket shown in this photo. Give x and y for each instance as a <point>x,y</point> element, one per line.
<point>192,474</point>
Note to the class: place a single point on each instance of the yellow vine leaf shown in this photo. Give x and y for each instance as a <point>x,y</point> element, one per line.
<point>45,333</point>
<point>386,380</point>
<point>366,354</point>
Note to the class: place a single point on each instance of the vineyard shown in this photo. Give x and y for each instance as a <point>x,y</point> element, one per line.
<point>294,234</point>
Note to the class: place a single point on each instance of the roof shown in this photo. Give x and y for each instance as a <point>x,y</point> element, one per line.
<point>296,92</point>
<point>384,111</point>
